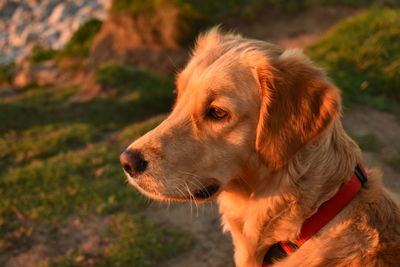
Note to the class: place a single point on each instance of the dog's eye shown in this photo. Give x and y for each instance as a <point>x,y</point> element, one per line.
<point>216,113</point>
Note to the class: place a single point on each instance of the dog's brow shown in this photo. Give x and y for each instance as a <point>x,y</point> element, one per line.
<point>212,95</point>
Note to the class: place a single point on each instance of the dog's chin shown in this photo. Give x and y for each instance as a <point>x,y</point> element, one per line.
<point>206,194</point>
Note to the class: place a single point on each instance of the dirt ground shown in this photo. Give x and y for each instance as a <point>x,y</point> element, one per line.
<point>73,234</point>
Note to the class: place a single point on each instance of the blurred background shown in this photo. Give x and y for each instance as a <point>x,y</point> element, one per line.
<point>80,80</point>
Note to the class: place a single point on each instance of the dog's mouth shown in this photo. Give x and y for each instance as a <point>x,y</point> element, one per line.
<point>207,192</point>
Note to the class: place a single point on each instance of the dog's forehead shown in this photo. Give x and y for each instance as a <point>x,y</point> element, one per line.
<point>211,73</point>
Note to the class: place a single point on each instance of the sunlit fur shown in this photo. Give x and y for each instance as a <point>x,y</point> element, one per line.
<point>281,152</point>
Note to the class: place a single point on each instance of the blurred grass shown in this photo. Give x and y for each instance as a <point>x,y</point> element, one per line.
<point>135,95</point>
<point>39,142</point>
<point>361,55</point>
<point>79,182</point>
<point>76,48</point>
<point>125,78</point>
<point>59,158</point>
<point>367,142</point>
<point>360,3</point>
<point>79,44</point>
<point>133,242</point>
<point>147,244</point>
<point>40,55</point>
<point>6,73</point>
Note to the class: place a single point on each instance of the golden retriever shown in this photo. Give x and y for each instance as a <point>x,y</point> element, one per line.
<point>258,128</point>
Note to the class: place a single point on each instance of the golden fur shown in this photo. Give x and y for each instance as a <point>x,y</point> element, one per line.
<point>278,154</point>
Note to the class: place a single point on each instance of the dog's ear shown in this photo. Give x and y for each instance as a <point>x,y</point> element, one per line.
<point>297,104</point>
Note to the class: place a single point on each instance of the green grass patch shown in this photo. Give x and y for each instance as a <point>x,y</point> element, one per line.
<point>81,41</point>
<point>136,95</point>
<point>82,182</point>
<point>368,142</point>
<point>58,160</point>
<point>361,55</point>
<point>359,3</point>
<point>140,243</point>
<point>135,83</point>
<point>124,77</point>
<point>79,182</point>
<point>40,142</point>
<point>6,73</point>
<point>42,55</point>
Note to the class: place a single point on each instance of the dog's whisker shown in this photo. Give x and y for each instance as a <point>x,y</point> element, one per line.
<point>197,183</point>
<point>168,205</point>
<point>193,199</point>
<point>190,174</point>
<point>196,179</point>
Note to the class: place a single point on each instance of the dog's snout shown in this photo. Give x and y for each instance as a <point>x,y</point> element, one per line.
<point>133,162</point>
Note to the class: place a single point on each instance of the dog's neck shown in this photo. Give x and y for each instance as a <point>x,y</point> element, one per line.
<point>275,209</point>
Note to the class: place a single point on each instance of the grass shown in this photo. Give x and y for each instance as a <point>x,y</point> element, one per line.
<point>6,73</point>
<point>133,242</point>
<point>361,3</point>
<point>42,55</point>
<point>135,95</point>
<point>121,77</point>
<point>360,54</point>
<point>59,158</point>
<point>78,47</point>
<point>81,41</point>
<point>80,182</point>
<point>41,142</point>
<point>367,142</point>
<point>148,244</point>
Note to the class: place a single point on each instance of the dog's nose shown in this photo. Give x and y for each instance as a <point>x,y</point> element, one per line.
<point>133,162</point>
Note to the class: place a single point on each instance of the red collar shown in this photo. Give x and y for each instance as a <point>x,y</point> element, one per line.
<point>326,212</point>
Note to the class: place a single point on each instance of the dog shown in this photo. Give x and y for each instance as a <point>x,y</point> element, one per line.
<point>257,128</point>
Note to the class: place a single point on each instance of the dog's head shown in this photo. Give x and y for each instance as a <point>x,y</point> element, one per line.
<point>237,99</point>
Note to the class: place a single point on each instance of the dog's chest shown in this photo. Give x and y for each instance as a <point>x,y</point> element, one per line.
<point>232,209</point>
<point>237,216</point>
